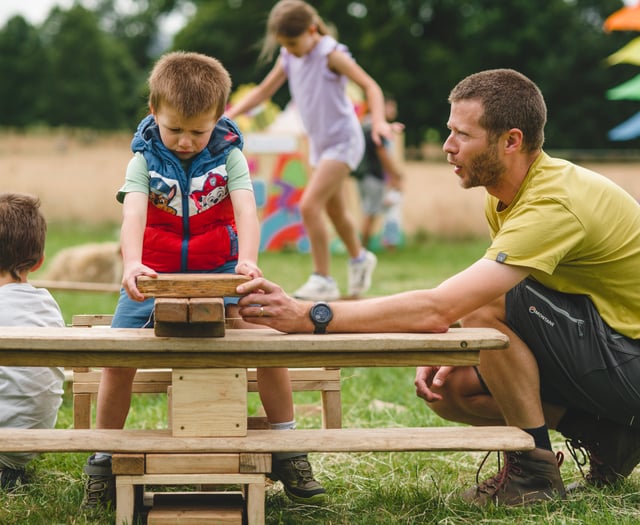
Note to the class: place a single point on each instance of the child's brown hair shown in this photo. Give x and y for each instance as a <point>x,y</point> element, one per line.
<point>192,83</point>
<point>23,230</point>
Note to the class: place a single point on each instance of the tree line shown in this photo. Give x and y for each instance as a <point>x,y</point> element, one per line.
<point>87,68</point>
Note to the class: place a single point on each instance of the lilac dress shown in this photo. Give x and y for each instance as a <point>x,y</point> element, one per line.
<point>327,113</point>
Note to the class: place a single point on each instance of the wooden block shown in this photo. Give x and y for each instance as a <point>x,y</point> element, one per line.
<point>91,320</point>
<point>257,423</point>
<point>201,498</point>
<point>162,329</point>
<point>195,516</point>
<point>171,310</point>
<point>253,463</point>
<point>131,464</point>
<point>193,463</point>
<point>206,310</point>
<point>209,402</point>
<point>191,284</point>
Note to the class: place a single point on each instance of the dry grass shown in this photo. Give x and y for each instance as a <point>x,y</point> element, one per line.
<point>77,175</point>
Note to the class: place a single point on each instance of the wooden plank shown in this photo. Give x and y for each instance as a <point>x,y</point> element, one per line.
<point>164,329</point>
<point>195,516</point>
<point>191,284</point>
<point>304,374</point>
<point>192,463</point>
<point>267,441</point>
<point>91,319</point>
<point>76,286</point>
<point>56,346</point>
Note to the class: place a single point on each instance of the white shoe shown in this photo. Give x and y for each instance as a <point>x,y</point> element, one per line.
<point>360,274</point>
<point>318,288</point>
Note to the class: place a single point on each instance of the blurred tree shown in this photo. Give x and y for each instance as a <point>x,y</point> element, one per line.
<point>418,49</point>
<point>91,74</point>
<point>232,31</point>
<point>96,62</point>
<point>138,28</point>
<point>23,62</point>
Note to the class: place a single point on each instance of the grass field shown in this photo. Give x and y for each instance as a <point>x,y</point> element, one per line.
<point>366,489</point>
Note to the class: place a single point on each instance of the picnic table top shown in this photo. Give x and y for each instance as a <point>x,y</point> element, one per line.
<point>141,348</point>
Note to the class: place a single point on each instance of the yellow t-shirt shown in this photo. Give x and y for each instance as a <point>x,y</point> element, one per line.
<point>579,233</point>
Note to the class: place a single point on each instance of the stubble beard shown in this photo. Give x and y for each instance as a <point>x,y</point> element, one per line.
<point>485,169</point>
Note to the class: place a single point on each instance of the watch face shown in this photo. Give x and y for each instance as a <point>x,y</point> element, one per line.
<point>322,313</point>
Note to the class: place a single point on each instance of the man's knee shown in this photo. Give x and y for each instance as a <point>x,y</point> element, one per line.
<point>489,315</point>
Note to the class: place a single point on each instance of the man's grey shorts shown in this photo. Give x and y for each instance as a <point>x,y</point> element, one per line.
<point>583,363</point>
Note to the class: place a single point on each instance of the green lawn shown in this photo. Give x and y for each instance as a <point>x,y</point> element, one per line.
<point>373,488</point>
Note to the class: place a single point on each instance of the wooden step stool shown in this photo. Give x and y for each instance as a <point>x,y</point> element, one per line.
<point>246,470</point>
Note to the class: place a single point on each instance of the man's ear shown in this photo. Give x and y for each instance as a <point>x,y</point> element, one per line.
<point>513,139</point>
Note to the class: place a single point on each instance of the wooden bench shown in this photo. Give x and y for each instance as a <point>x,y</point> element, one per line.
<point>155,457</point>
<point>157,381</point>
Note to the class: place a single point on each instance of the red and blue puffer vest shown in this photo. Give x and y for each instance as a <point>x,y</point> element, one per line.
<point>190,221</point>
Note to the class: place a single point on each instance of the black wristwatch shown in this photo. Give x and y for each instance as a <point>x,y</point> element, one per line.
<point>321,316</point>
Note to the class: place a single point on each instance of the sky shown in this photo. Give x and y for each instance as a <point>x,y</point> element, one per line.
<point>36,12</point>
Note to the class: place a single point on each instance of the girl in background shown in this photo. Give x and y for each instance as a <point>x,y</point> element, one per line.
<point>317,68</point>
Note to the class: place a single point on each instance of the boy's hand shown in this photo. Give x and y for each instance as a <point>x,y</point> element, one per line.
<point>248,268</point>
<point>129,276</point>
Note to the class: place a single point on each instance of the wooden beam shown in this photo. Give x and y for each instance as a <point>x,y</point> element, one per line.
<point>191,284</point>
<point>266,441</point>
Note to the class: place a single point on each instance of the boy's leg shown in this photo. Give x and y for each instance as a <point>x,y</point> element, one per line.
<point>113,403</point>
<point>114,397</point>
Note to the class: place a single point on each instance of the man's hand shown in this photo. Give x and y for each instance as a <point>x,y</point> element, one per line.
<point>429,379</point>
<point>266,303</point>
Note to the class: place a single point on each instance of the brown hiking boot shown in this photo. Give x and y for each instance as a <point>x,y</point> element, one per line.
<point>613,449</point>
<point>527,477</point>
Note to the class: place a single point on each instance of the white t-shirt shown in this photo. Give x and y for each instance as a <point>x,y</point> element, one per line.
<point>29,396</point>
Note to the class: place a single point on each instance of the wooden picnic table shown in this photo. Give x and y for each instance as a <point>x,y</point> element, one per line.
<point>140,348</point>
<point>209,406</point>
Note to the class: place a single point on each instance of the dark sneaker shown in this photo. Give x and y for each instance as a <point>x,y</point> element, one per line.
<point>612,449</point>
<point>527,477</point>
<point>297,477</point>
<point>10,478</point>
<point>100,487</point>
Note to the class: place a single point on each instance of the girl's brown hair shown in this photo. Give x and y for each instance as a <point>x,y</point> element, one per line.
<point>289,18</point>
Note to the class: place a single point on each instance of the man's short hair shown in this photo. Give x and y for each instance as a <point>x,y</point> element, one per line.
<point>510,100</point>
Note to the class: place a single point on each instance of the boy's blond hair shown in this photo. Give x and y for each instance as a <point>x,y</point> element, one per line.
<point>23,230</point>
<point>192,83</point>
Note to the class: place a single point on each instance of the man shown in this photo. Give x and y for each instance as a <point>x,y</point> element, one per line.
<point>560,279</point>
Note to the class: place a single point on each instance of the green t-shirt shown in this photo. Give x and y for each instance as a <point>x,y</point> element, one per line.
<point>137,177</point>
<point>579,233</point>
